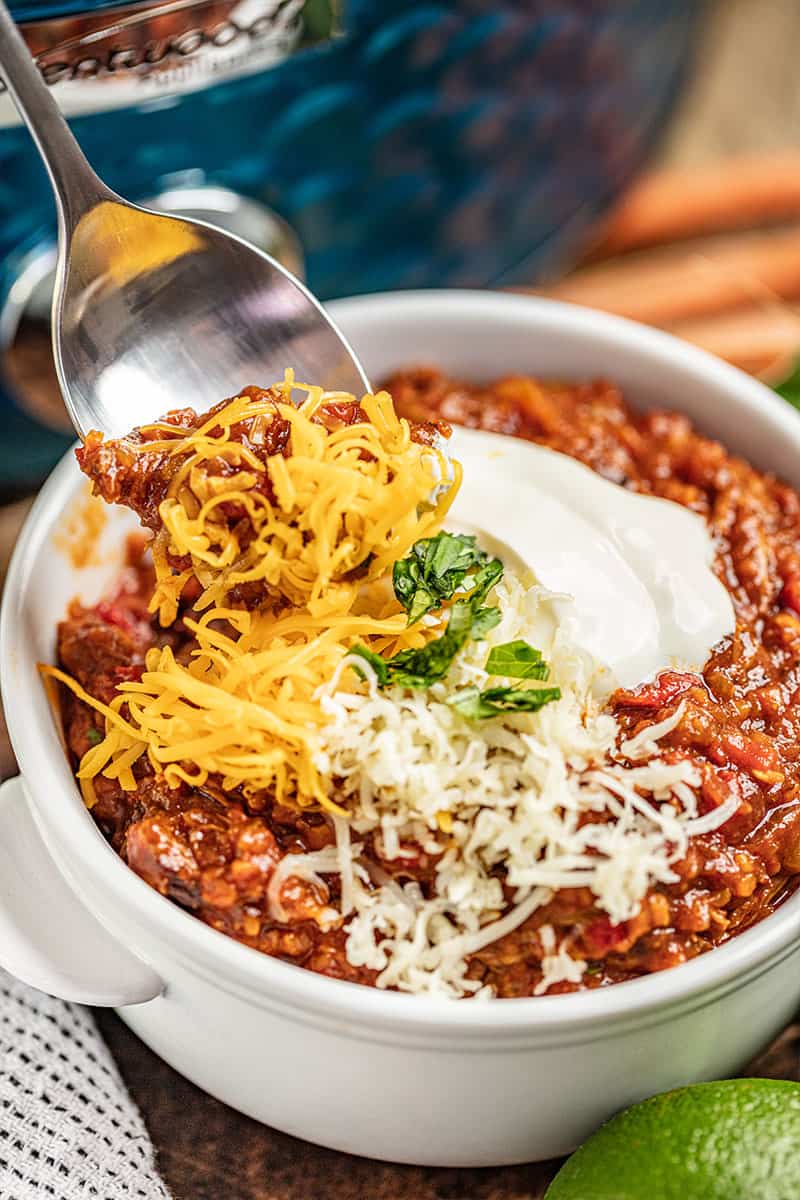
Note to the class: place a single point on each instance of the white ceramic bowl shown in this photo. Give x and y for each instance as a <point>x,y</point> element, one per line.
<point>391,1076</point>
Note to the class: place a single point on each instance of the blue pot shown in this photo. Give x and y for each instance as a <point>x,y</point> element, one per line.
<point>464,143</point>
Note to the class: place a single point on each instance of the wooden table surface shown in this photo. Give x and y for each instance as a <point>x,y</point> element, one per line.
<point>744,99</point>
<point>208,1152</point>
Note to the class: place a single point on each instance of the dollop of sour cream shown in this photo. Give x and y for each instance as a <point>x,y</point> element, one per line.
<point>635,572</point>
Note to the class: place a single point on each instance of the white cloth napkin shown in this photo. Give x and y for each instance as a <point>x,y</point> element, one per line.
<point>68,1128</point>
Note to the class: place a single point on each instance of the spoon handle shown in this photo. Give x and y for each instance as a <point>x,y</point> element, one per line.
<point>77,188</point>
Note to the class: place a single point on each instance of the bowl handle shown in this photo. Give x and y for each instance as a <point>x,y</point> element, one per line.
<point>47,937</point>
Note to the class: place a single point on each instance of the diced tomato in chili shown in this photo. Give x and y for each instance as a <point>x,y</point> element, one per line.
<point>113,614</point>
<point>757,757</point>
<point>666,687</point>
<point>719,786</point>
<point>790,594</point>
<point>602,935</point>
<point>132,674</point>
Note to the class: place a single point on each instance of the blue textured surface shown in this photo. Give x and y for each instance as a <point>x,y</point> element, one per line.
<point>435,144</point>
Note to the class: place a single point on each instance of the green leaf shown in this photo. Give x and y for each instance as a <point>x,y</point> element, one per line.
<point>420,668</point>
<point>790,387</point>
<point>377,663</point>
<point>517,660</point>
<point>483,620</point>
<point>432,573</point>
<point>493,702</point>
<point>428,664</point>
<point>486,578</point>
<point>448,554</point>
<point>410,590</point>
<point>437,568</point>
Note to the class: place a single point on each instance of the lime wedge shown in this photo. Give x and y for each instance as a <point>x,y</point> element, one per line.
<point>734,1140</point>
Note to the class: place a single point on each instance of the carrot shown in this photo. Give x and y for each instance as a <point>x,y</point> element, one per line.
<point>664,286</point>
<point>677,203</point>
<point>762,340</point>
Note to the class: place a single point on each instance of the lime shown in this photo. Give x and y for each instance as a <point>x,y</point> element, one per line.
<point>734,1140</point>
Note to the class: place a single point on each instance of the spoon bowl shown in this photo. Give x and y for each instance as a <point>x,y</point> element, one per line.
<point>155,312</point>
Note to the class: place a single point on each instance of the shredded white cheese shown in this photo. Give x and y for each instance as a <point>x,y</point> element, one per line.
<point>503,801</point>
<point>558,966</point>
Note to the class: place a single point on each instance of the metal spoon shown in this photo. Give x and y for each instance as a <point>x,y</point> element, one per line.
<point>151,312</point>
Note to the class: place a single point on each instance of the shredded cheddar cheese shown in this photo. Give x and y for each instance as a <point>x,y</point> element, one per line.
<point>244,707</point>
<point>335,501</point>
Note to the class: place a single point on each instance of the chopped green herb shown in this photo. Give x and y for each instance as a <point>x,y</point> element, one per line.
<point>484,620</point>
<point>789,388</point>
<point>477,705</point>
<point>93,736</point>
<point>420,668</point>
<point>485,578</point>
<point>432,573</point>
<point>377,663</point>
<point>437,568</point>
<point>517,660</point>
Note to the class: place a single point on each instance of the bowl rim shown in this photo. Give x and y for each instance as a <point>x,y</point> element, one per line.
<point>42,762</point>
